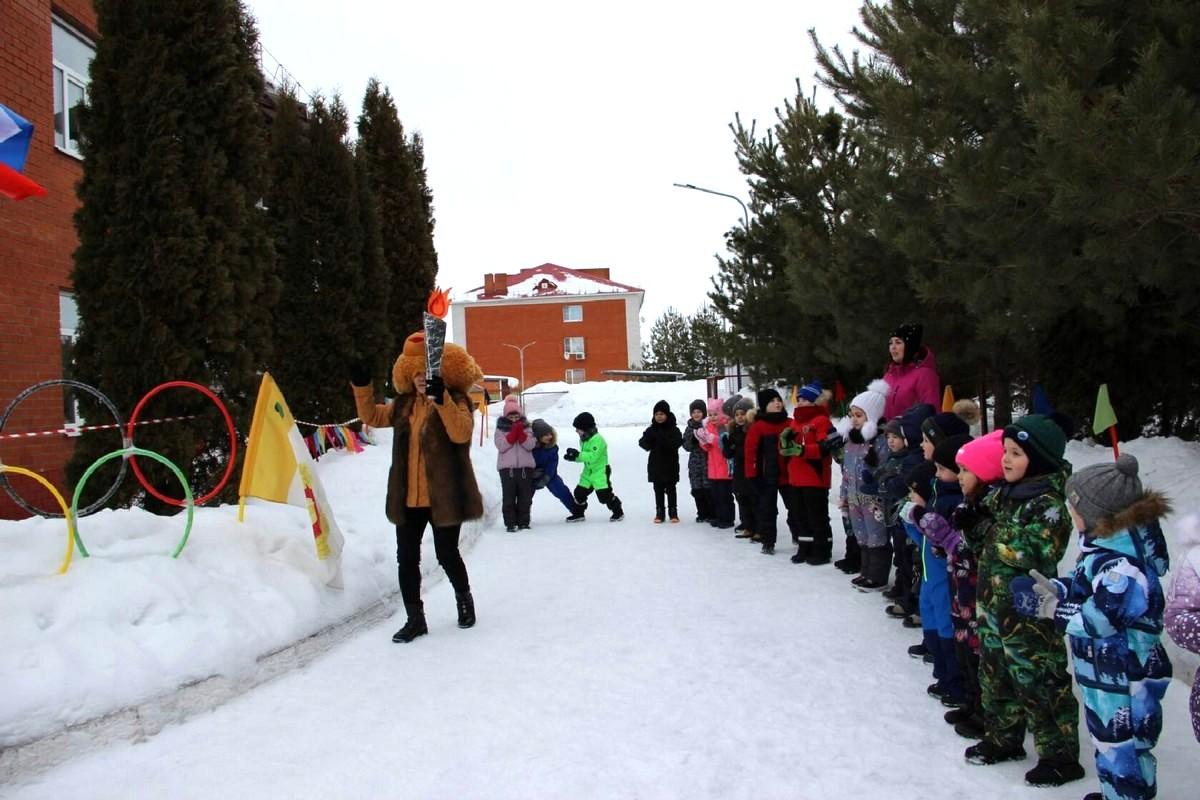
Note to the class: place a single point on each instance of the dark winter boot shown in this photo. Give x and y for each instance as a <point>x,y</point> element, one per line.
<point>618,513</point>
<point>466,609</point>
<point>852,561</point>
<point>971,728</point>
<point>802,549</point>
<point>414,627</point>
<point>821,552</point>
<point>576,517</point>
<point>1054,771</point>
<point>986,753</point>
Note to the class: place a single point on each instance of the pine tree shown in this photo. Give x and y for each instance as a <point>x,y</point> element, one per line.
<point>173,275</point>
<point>396,173</point>
<point>320,241</point>
<point>670,342</point>
<point>707,349</point>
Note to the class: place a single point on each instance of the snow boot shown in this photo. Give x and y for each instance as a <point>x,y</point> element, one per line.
<point>768,549</point>
<point>986,753</point>
<point>802,551</point>
<point>970,729</point>
<point>414,627</point>
<point>744,533</point>
<point>466,609</point>
<point>918,650</point>
<point>852,561</point>
<point>896,611</point>
<point>510,528</point>
<point>1054,771</point>
<point>576,517</point>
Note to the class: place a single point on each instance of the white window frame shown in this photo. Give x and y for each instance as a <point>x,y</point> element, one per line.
<point>68,77</point>
<point>576,375</point>
<point>573,347</point>
<point>568,317</point>
<point>69,333</point>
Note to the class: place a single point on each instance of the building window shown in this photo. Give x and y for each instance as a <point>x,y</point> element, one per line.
<point>68,325</point>
<point>576,376</point>
<point>573,347</point>
<point>72,57</point>
<point>572,313</point>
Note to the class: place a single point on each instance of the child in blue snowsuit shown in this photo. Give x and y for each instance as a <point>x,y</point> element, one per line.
<point>1111,609</point>
<point>545,459</point>
<point>936,484</point>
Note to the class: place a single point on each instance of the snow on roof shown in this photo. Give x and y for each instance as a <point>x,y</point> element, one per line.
<point>550,280</point>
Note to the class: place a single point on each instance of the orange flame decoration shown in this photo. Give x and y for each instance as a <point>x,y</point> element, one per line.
<point>439,302</point>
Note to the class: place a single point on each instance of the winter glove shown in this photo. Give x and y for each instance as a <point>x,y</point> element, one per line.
<point>540,479</point>
<point>787,438</point>
<point>867,476</point>
<point>435,389</point>
<point>940,532</point>
<point>966,516</point>
<point>1037,595</point>
<point>872,458</point>
<point>907,511</point>
<point>517,434</point>
<point>833,441</point>
<point>571,454</point>
<point>360,375</point>
<point>856,436</point>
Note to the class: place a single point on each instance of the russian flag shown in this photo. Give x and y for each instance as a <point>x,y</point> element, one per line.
<point>15,134</point>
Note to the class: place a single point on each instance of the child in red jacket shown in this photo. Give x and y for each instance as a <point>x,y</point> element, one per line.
<point>764,465</point>
<point>809,471</point>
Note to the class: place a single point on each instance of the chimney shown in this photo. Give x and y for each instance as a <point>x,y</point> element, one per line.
<point>501,283</point>
<point>489,285</point>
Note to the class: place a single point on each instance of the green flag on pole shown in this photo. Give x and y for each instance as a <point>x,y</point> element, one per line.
<point>1105,417</point>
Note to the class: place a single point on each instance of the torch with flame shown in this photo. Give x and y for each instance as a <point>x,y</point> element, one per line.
<point>435,331</point>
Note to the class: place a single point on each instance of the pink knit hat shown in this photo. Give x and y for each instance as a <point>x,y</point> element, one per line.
<point>715,406</point>
<point>982,456</point>
<point>512,405</point>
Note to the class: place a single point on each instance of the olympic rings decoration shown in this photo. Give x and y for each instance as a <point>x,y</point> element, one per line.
<point>130,453</point>
<point>66,512</point>
<point>204,390</point>
<point>112,409</point>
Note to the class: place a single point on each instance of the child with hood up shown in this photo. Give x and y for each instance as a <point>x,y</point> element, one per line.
<point>514,460</point>
<point>698,462</point>
<point>711,437</point>
<point>545,459</point>
<point>805,445</point>
<point>859,494</point>
<point>1023,664</point>
<point>1111,609</point>
<point>740,410</point>
<point>597,475</point>
<point>662,440</point>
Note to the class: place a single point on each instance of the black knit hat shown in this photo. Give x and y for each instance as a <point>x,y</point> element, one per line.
<point>584,422</point>
<point>766,396</point>
<point>945,452</point>
<point>663,406</point>
<point>943,425</point>
<point>920,479</point>
<point>698,405</point>
<point>910,334</point>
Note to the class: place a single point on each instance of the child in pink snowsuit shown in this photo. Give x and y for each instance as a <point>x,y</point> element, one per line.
<point>1182,615</point>
<point>720,472</point>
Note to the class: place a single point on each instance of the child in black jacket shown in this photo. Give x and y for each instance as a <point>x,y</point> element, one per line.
<point>662,441</point>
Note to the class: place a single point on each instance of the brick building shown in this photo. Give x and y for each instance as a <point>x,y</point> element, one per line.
<point>45,50</point>
<point>579,320</point>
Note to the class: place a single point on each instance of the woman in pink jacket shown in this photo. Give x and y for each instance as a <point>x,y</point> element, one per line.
<point>720,473</point>
<point>912,372</point>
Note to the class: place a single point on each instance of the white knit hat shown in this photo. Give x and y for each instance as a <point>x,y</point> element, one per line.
<point>872,402</point>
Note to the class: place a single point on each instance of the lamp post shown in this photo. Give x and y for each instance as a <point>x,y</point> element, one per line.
<point>521,352</point>
<point>745,212</point>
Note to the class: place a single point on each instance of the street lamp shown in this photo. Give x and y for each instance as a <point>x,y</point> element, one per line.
<point>521,351</point>
<point>745,212</point>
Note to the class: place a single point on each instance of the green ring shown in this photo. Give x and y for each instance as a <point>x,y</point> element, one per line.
<point>136,451</point>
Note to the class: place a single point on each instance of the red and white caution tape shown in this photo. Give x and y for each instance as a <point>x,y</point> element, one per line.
<point>82,428</point>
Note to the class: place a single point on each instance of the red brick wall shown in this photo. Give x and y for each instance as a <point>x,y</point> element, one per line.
<point>37,239</point>
<point>602,328</point>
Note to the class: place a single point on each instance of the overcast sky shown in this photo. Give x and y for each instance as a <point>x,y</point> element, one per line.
<point>553,131</point>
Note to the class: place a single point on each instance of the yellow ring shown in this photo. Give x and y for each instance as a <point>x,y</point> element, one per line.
<point>61,504</point>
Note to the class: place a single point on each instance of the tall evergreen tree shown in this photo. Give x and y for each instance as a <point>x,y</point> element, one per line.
<point>374,324</point>
<point>173,275</point>
<point>320,241</point>
<point>396,173</point>
<point>669,343</point>
<point>707,349</point>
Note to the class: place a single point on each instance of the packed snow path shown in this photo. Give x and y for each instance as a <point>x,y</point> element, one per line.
<point>610,660</point>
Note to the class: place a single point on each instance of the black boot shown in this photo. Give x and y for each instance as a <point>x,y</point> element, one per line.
<point>802,550</point>
<point>987,753</point>
<point>414,627</point>
<point>1054,771</point>
<point>852,562</point>
<point>466,609</point>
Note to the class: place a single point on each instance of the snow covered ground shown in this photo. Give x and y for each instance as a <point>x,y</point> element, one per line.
<point>610,660</point>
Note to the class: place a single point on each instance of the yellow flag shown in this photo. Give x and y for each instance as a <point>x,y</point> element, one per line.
<point>948,399</point>
<point>278,467</point>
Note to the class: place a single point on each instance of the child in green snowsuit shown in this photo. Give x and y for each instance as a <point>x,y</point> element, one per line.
<point>1023,662</point>
<point>596,471</point>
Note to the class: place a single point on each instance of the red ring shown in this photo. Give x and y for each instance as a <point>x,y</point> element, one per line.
<point>204,390</point>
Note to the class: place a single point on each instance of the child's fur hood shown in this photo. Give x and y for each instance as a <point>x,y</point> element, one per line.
<point>459,370</point>
<point>1151,507</point>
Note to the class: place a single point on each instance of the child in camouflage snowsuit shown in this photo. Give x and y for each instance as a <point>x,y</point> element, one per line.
<point>1111,609</point>
<point>1023,664</point>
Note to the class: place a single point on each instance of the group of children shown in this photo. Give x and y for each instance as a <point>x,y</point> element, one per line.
<point>973,527</point>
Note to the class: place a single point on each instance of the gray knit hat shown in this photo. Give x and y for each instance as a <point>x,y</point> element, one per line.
<point>541,428</point>
<point>730,402</point>
<point>743,403</point>
<point>1102,490</point>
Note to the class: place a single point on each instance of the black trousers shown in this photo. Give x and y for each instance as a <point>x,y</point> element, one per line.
<point>606,496</point>
<point>704,504</point>
<point>666,501</point>
<point>812,512</point>
<point>408,555</point>
<point>768,511</point>
<point>902,557</point>
<point>722,496</point>
<point>746,507</point>
<point>516,492</point>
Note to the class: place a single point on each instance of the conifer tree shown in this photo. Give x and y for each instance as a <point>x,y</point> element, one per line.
<point>669,343</point>
<point>173,274</point>
<point>373,325</point>
<point>396,173</point>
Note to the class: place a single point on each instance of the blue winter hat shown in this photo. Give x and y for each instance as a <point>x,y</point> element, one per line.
<point>810,391</point>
